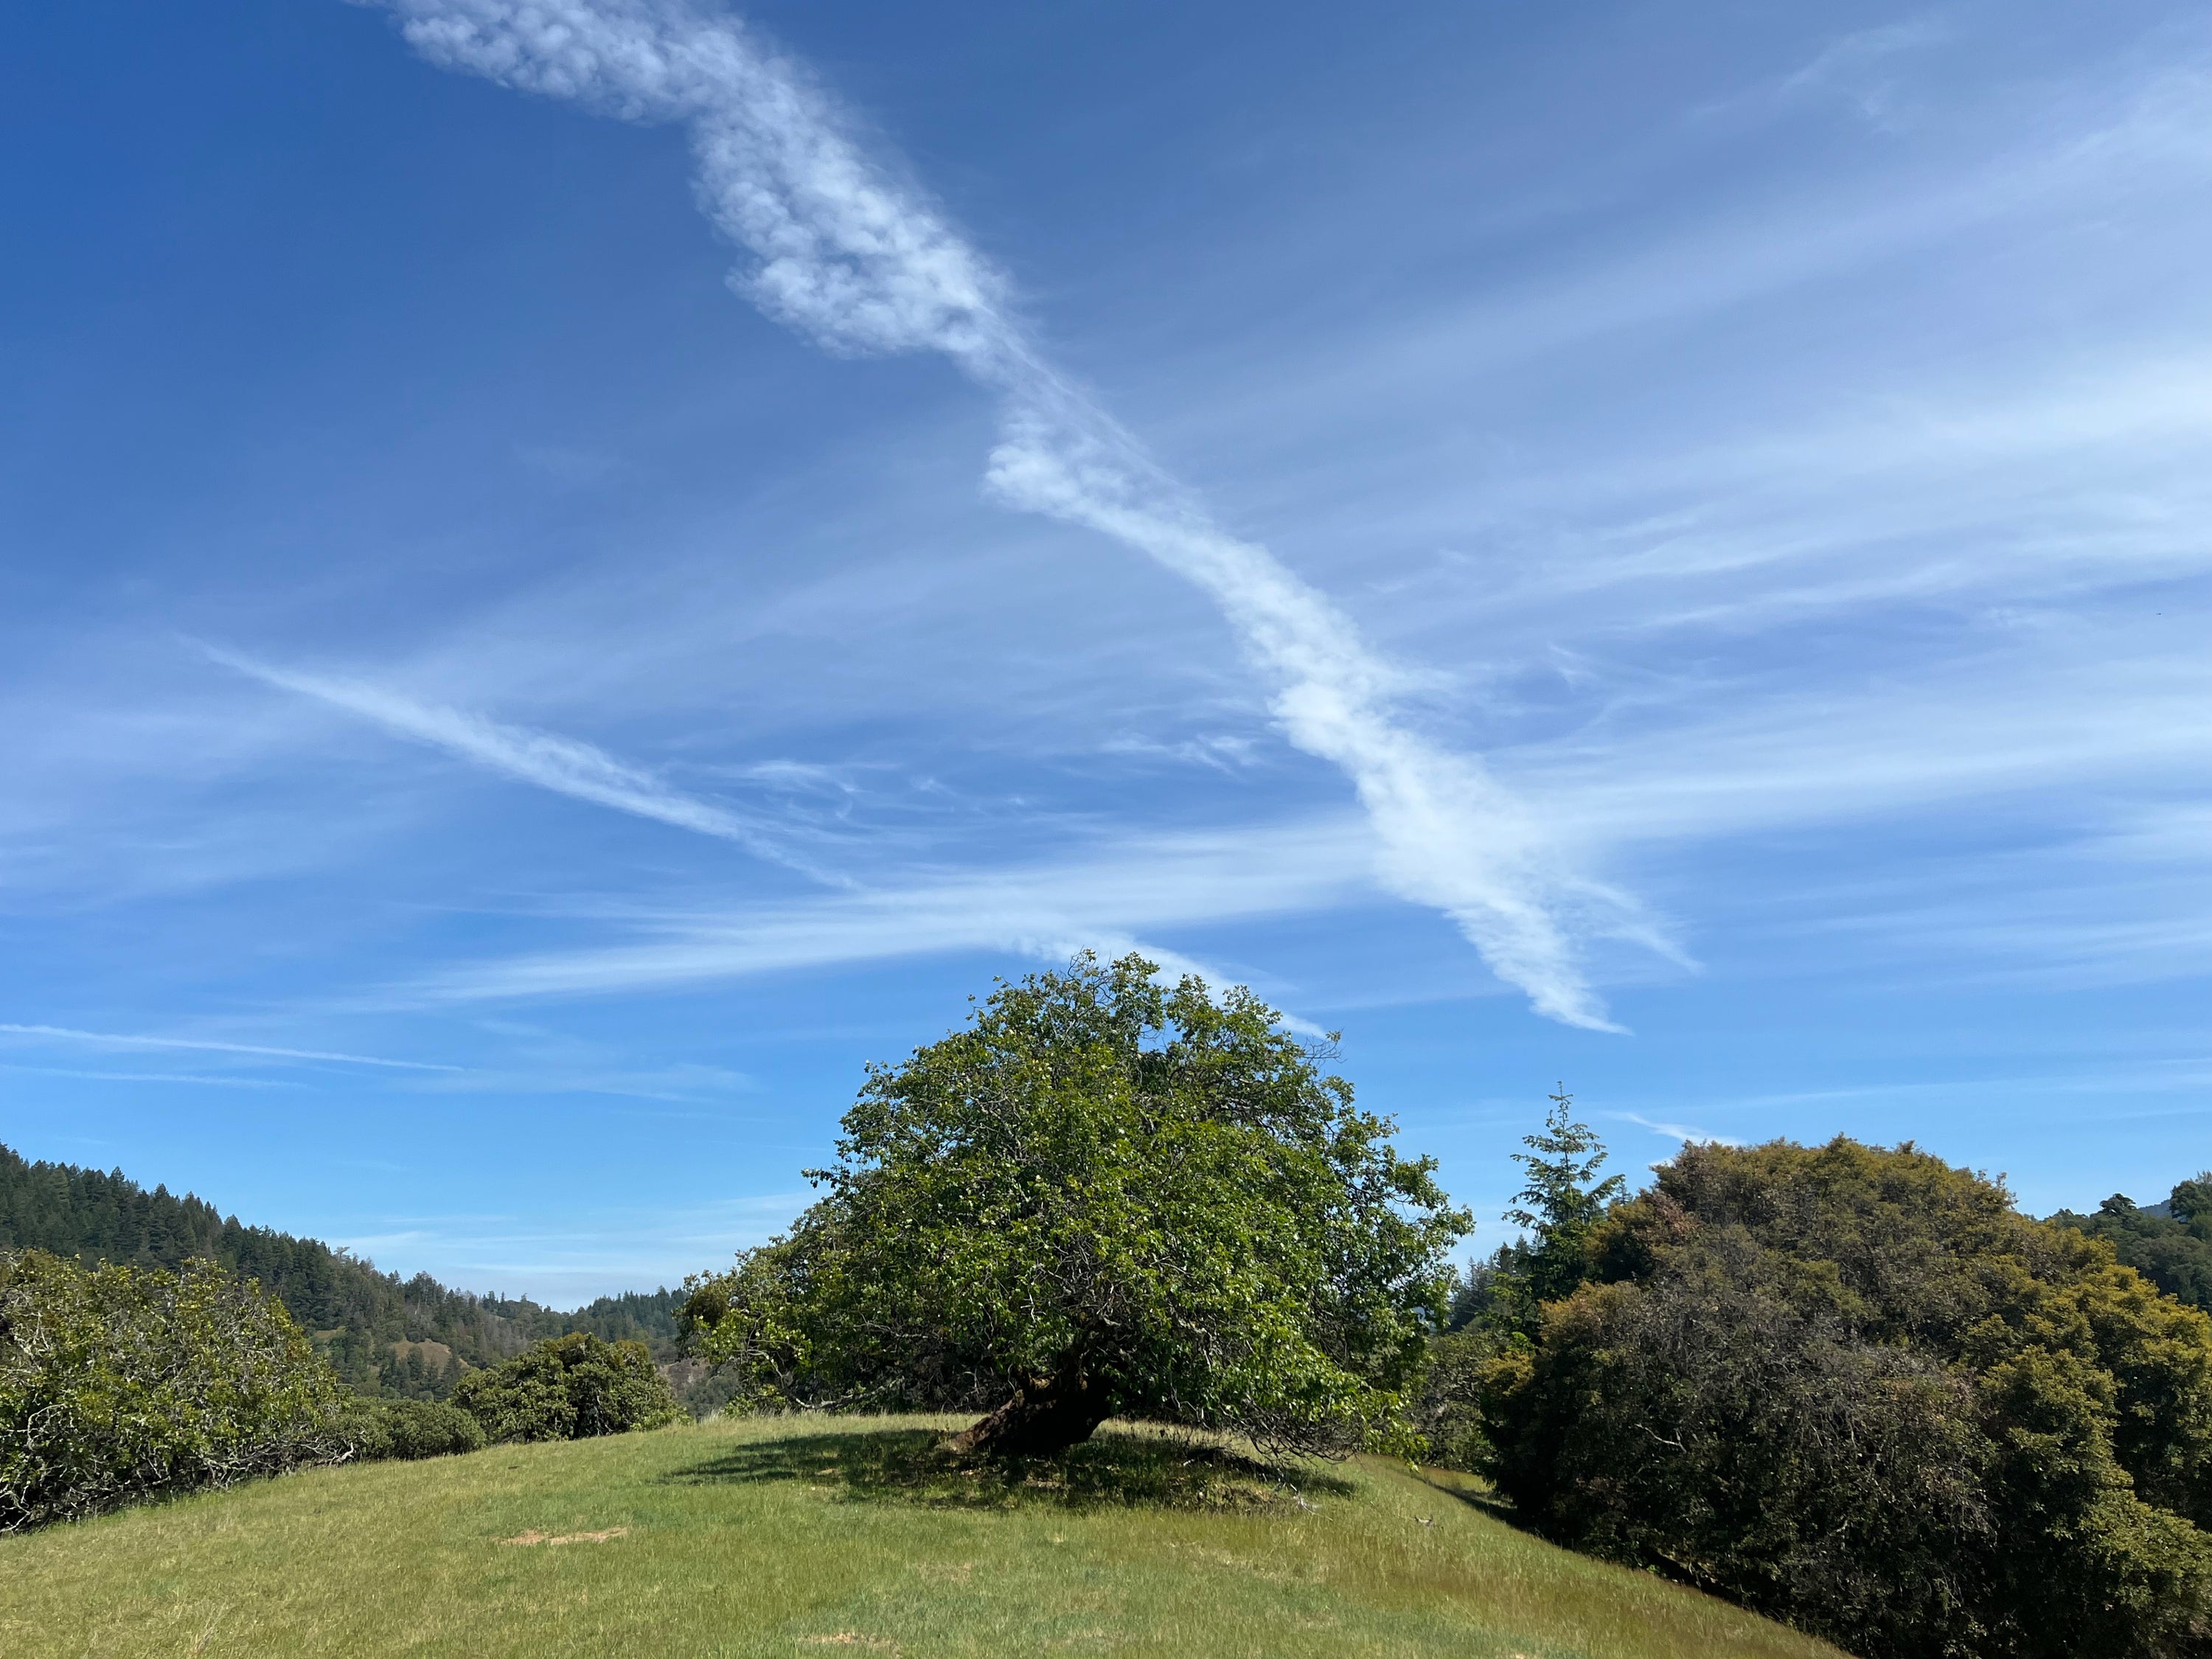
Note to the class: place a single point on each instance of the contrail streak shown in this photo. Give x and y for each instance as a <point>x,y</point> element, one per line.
<point>844,253</point>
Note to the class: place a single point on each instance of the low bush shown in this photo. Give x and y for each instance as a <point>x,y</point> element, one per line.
<point>379,1428</point>
<point>570,1388</point>
<point>120,1384</point>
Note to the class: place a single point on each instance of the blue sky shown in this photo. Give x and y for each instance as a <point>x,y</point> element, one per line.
<point>575,573</point>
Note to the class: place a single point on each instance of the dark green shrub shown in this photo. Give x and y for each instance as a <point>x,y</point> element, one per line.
<point>379,1428</point>
<point>1855,1388</point>
<point>120,1384</point>
<point>570,1388</point>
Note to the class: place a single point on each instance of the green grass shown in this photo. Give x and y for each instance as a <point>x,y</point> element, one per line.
<point>814,1536</point>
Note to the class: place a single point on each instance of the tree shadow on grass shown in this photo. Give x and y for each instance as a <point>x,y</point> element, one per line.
<point>1118,1467</point>
<point>1472,1490</point>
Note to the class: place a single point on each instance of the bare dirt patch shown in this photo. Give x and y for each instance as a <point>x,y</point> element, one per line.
<point>610,1534</point>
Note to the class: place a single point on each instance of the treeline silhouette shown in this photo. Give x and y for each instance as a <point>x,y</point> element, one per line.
<point>383,1335</point>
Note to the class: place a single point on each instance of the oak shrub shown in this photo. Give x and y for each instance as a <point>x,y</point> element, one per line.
<point>122,1383</point>
<point>1855,1388</point>
<point>569,1388</point>
<point>377,1428</point>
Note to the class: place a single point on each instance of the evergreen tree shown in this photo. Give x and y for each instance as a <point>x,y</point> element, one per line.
<point>1561,1206</point>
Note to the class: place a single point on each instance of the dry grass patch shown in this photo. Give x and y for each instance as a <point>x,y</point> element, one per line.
<point>569,1537</point>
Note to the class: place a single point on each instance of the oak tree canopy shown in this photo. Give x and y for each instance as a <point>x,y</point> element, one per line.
<point>1104,1197</point>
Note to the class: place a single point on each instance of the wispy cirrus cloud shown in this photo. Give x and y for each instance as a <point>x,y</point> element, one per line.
<point>681,1085</point>
<point>546,759</point>
<point>1687,1133</point>
<point>847,255</point>
<point>189,1078</point>
<point>129,1041</point>
<point>1861,68</point>
<point>1046,911</point>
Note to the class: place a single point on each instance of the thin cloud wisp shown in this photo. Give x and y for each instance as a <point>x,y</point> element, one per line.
<point>545,759</point>
<point>112,1039</point>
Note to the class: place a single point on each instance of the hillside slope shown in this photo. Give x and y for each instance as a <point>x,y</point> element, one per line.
<point>794,1535</point>
<point>381,1334</point>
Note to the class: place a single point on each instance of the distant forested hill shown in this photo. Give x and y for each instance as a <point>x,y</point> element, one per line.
<point>2170,1244</point>
<point>383,1335</point>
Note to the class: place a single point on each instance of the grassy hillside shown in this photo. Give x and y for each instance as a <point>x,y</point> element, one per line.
<point>797,1535</point>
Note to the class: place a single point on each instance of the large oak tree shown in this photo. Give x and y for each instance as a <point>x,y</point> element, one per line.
<point>1104,1197</point>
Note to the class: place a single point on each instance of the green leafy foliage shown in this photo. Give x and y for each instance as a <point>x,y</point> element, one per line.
<point>569,1388</point>
<point>377,1429</point>
<point>2170,1244</point>
<point>1448,1408</point>
<point>118,1383</point>
<point>383,1336</point>
<point>1855,1388</point>
<point>1103,1198</point>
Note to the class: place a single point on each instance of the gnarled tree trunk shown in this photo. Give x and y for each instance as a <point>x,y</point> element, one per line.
<point>1047,1414</point>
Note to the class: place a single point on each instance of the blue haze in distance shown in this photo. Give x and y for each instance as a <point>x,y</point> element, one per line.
<point>1487,523</point>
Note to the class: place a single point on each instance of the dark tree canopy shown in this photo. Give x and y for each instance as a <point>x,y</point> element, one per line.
<point>1856,1388</point>
<point>1104,1197</point>
<point>2170,1244</point>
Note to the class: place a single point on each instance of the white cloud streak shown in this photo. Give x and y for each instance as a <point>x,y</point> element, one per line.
<point>192,1078</point>
<point>546,759</point>
<point>1687,1134</point>
<point>113,1040</point>
<point>1046,911</point>
<point>846,255</point>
